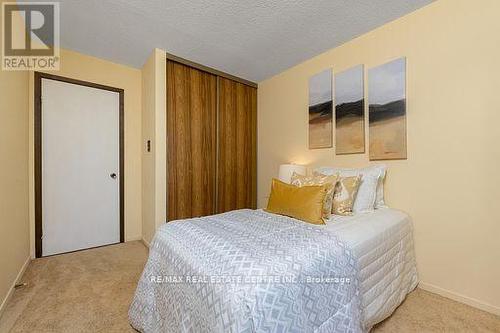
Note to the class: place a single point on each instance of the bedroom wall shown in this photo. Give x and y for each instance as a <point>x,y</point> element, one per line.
<point>154,128</point>
<point>83,67</point>
<point>450,183</point>
<point>14,219</point>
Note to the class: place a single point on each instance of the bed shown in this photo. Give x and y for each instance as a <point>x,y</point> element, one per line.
<point>252,271</point>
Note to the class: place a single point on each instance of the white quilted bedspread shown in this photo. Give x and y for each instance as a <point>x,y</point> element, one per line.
<point>247,271</point>
<point>201,273</point>
<point>382,242</point>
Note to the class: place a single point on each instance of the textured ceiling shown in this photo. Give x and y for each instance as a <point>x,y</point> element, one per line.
<point>253,39</point>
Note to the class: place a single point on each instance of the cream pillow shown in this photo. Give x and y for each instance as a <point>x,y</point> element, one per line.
<point>371,190</point>
<point>318,179</point>
<point>345,195</point>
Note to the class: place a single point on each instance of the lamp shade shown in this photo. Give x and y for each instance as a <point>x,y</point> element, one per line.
<point>287,170</point>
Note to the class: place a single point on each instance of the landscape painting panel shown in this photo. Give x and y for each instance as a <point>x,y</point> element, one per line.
<point>320,110</point>
<point>349,112</point>
<point>387,110</point>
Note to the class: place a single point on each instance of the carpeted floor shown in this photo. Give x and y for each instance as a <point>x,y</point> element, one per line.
<point>90,291</point>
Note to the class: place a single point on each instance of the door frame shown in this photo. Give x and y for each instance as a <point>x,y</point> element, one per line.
<point>38,150</point>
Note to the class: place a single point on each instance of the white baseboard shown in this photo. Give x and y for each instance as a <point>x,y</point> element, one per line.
<point>460,298</point>
<point>140,239</point>
<point>16,281</point>
<point>133,239</point>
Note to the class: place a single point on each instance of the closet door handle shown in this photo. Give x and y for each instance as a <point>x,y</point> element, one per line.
<point>113,175</point>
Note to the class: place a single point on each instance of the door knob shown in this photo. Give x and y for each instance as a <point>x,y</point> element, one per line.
<point>113,175</point>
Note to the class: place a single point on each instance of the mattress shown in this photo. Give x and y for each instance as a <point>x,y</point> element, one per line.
<point>382,241</point>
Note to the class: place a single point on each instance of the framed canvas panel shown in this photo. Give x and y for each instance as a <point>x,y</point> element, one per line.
<point>321,110</point>
<point>349,111</point>
<point>387,110</point>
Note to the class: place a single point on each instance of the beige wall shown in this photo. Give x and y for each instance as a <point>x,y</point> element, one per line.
<point>450,183</point>
<point>154,129</point>
<point>87,68</point>
<point>14,219</point>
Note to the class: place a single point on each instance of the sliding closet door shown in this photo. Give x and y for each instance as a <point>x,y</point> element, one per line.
<point>191,141</point>
<point>236,177</point>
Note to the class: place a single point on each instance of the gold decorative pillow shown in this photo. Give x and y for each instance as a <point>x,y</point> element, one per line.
<point>318,179</point>
<point>345,194</point>
<point>303,203</point>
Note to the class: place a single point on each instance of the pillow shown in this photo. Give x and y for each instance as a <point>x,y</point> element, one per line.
<point>371,191</point>
<point>345,195</point>
<point>318,179</point>
<point>303,203</point>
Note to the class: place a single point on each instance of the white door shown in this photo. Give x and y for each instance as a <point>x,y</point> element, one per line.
<point>80,167</point>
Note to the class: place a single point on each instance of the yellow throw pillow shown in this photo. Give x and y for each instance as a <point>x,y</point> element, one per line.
<point>318,179</point>
<point>345,194</point>
<point>303,203</point>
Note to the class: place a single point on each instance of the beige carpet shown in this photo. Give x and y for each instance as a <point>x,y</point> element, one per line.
<point>90,291</point>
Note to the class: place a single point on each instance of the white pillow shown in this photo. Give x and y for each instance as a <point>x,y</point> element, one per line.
<point>371,191</point>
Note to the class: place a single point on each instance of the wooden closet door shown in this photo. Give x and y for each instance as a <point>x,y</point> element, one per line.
<point>236,176</point>
<point>191,141</point>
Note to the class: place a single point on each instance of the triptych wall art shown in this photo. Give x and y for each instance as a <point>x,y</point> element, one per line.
<point>386,110</point>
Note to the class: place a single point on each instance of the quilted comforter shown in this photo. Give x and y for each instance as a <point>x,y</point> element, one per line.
<point>247,271</point>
